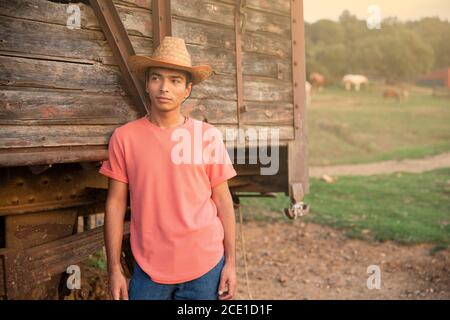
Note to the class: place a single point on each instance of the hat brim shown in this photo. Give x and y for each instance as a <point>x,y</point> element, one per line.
<point>139,64</point>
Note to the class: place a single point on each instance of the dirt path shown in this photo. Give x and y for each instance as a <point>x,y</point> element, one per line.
<point>308,261</point>
<point>409,165</point>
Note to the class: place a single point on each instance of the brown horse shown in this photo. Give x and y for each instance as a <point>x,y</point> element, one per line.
<point>395,93</point>
<point>317,80</point>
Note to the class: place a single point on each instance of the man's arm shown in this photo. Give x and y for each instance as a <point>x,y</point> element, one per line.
<point>224,203</point>
<point>116,204</point>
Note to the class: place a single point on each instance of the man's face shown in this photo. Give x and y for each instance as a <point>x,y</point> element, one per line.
<point>167,88</point>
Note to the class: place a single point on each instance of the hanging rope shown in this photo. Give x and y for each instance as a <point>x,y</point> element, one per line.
<point>244,253</point>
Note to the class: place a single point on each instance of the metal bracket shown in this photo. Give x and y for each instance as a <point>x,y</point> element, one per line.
<point>299,209</point>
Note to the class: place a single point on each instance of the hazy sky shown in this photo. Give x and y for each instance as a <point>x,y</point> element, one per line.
<point>403,9</point>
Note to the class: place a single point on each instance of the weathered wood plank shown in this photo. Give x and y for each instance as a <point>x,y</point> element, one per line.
<point>267,113</point>
<point>284,132</point>
<point>258,21</point>
<point>259,89</point>
<point>137,21</point>
<point>256,64</point>
<point>56,74</point>
<point>144,4</point>
<point>255,89</point>
<point>280,6</point>
<point>63,107</point>
<point>216,87</point>
<point>249,176</point>
<point>204,11</point>
<point>25,36</point>
<point>29,107</point>
<point>29,156</point>
<point>50,39</point>
<point>13,136</point>
<point>221,37</point>
<point>211,111</point>
<point>196,33</point>
<point>222,13</point>
<point>265,44</point>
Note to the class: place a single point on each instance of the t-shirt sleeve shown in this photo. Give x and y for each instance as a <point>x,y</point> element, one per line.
<point>115,166</point>
<point>220,168</point>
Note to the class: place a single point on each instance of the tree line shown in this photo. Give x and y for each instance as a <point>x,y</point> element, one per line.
<point>399,51</point>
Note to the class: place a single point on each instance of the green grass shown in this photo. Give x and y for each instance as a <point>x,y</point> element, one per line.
<point>97,260</point>
<point>403,207</point>
<point>360,127</point>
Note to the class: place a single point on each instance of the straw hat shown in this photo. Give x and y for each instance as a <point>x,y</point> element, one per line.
<point>171,53</point>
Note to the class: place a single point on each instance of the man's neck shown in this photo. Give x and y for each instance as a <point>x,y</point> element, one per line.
<point>166,120</point>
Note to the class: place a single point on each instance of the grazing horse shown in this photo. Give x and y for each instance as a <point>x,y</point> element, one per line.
<point>356,80</point>
<point>317,80</point>
<point>395,93</point>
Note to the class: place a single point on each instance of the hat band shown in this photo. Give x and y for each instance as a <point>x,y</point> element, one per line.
<point>176,62</point>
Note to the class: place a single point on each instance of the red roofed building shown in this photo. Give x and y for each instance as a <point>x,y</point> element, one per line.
<point>439,78</point>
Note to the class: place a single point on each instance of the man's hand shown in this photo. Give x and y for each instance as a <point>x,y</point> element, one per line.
<point>116,205</point>
<point>118,288</point>
<point>227,286</point>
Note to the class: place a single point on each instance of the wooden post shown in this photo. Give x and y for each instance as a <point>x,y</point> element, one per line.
<point>161,21</point>
<point>297,149</point>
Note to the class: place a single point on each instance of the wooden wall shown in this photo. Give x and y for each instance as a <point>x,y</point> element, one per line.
<point>208,28</point>
<point>62,88</point>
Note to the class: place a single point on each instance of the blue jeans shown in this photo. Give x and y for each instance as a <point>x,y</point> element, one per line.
<point>142,287</point>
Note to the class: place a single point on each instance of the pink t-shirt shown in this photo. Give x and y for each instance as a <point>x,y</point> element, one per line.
<point>176,234</point>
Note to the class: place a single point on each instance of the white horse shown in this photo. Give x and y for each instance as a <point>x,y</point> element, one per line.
<point>354,79</point>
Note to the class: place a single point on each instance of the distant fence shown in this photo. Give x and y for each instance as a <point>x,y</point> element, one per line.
<point>441,92</point>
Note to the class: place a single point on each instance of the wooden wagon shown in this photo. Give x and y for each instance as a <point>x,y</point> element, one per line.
<point>65,86</point>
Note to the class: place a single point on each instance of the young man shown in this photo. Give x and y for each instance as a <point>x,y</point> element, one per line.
<point>182,219</point>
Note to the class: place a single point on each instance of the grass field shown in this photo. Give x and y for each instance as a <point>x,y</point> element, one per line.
<point>404,207</point>
<point>359,127</point>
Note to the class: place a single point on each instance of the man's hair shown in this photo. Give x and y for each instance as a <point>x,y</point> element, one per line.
<point>188,75</point>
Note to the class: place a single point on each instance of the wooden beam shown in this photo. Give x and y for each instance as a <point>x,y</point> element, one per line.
<point>161,20</point>
<point>297,149</point>
<point>49,155</point>
<point>121,47</point>
<point>239,25</point>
